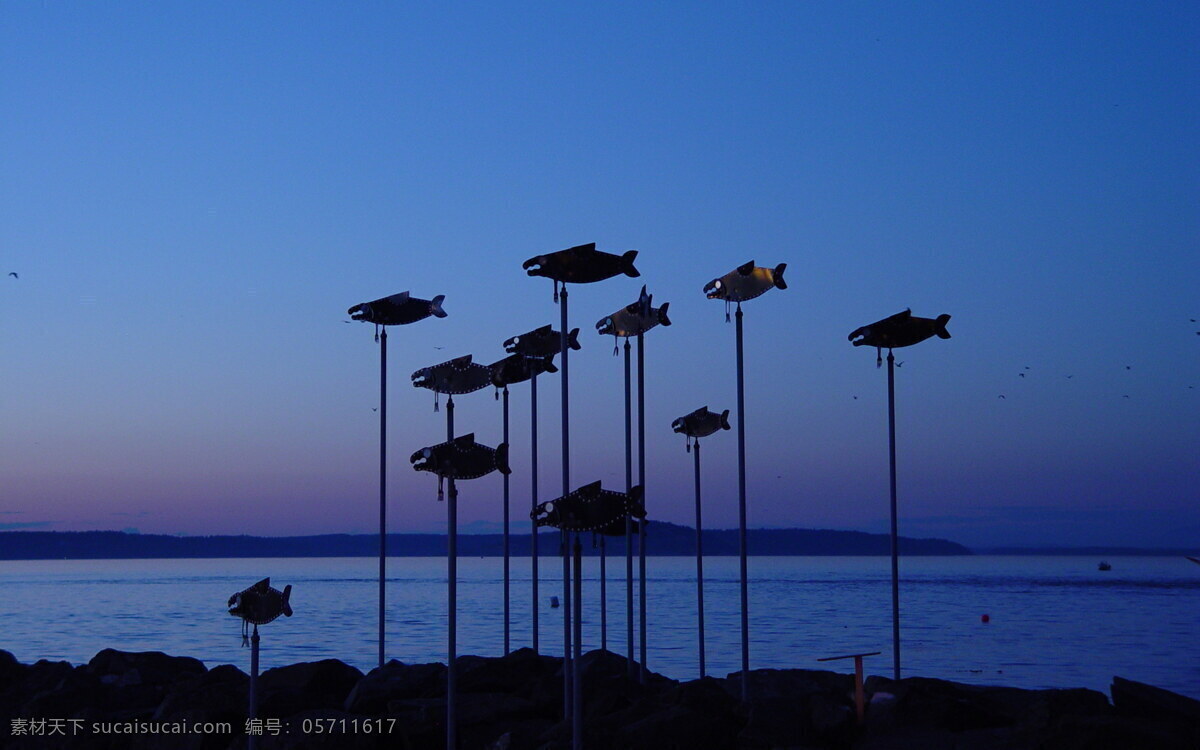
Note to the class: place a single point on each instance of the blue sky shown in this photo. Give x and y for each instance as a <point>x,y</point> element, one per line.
<point>193,194</point>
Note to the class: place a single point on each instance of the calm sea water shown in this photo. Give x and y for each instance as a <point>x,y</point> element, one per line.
<point>1054,621</point>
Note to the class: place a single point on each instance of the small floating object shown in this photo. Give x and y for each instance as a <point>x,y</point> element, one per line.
<point>1104,565</point>
<point>554,602</point>
<point>985,619</point>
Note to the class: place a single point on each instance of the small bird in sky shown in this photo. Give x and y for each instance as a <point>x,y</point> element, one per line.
<point>1127,367</point>
<point>1002,396</point>
<point>899,364</point>
<point>1026,367</point>
<point>1070,376</point>
<point>15,276</point>
<point>1020,374</point>
<point>374,408</point>
<point>439,347</point>
<point>1125,396</point>
<point>856,398</point>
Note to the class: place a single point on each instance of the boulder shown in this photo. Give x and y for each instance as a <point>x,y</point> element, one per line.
<point>284,691</point>
<point>395,681</point>
<point>138,667</point>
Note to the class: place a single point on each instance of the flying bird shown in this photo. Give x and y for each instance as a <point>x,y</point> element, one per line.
<point>15,276</point>
<point>1002,396</point>
<point>1020,374</point>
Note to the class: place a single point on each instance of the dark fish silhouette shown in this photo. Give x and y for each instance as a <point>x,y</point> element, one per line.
<point>702,422</point>
<point>581,264</point>
<point>901,329</point>
<point>398,309</point>
<point>459,375</point>
<point>591,508</point>
<point>517,368</point>
<point>260,603</point>
<point>745,282</point>
<point>461,458</point>
<point>635,318</point>
<point>541,342</point>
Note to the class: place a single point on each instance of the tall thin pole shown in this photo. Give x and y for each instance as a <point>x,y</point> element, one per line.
<point>506,570</point>
<point>564,539</point>
<point>741,407</point>
<point>699,564</point>
<point>891,360</point>
<point>252,740</point>
<point>603,595</point>
<point>452,604</point>
<point>533,491</point>
<point>577,674</point>
<point>382,482</point>
<point>632,659</point>
<point>641,387</point>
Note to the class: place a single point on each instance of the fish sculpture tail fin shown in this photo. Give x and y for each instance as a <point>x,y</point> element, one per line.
<point>636,500</point>
<point>777,274</point>
<point>502,459</point>
<point>725,420</point>
<point>940,330</point>
<point>627,258</point>
<point>287,594</point>
<point>662,314</point>
<point>573,340</point>
<point>549,366</point>
<point>435,306</point>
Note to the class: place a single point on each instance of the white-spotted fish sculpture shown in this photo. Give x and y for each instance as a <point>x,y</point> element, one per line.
<point>461,458</point>
<point>459,375</point>
<point>591,508</point>
<point>259,605</point>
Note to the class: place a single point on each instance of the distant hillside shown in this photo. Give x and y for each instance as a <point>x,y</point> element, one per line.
<point>662,539</point>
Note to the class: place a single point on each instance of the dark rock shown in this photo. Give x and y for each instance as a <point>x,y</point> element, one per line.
<point>137,667</point>
<point>285,691</point>
<point>1175,714</point>
<point>795,708</point>
<point>514,673</point>
<point>679,728</point>
<point>395,681</point>
<point>11,670</point>
<point>222,693</point>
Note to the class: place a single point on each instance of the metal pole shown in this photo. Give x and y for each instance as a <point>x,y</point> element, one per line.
<point>891,360</point>
<point>564,542</point>
<point>641,387</point>
<point>699,564</point>
<point>577,673</point>
<point>452,586</point>
<point>603,595</point>
<point>252,740</point>
<point>382,483</point>
<point>506,570</point>
<point>533,491</point>
<point>741,407</point>
<point>632,660</point>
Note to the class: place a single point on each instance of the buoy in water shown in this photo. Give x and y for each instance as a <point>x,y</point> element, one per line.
<point>985,619</point>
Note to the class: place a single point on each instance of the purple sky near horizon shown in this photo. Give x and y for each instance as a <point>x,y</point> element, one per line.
<point>193,195</point>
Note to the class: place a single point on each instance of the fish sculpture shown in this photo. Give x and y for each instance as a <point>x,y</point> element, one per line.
<point>259,605</point>
<point>582,264</point>
<point>701,423</point>
<point>398,309</point>
<point>901,329</point>
<point>634,319</point>
<point>517,368</point>
<point>541,342</point>
<point>457,376</point>
<point>745,282</point>
<point>461,458</point>
<point>591,508</point>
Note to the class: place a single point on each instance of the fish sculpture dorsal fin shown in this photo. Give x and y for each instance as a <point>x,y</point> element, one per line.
<point>746,269</point>
<point>262,586</point>
<point>465,440</point>
<point>543,330</point>
<point>463,361</point>
<point>591,488</point>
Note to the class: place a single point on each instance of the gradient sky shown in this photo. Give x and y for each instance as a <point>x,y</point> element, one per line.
<point>194,193</point>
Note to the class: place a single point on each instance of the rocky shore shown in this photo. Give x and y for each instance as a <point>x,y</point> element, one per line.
<point>151,700</point>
